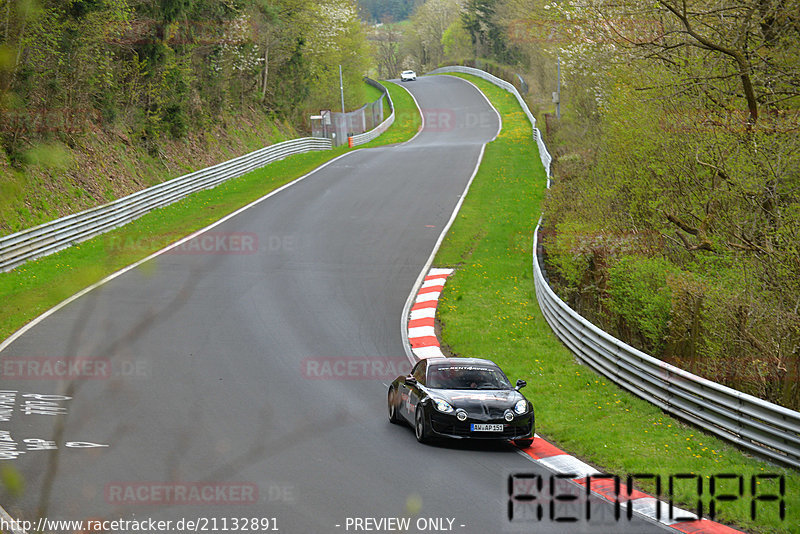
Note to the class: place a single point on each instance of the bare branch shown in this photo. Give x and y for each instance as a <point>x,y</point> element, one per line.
<point>680,224</point>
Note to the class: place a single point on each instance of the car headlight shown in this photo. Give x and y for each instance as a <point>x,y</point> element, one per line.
<point>442,406</point>
<point>521,407</point>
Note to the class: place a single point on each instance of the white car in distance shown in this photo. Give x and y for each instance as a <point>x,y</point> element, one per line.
<point>408,75</point>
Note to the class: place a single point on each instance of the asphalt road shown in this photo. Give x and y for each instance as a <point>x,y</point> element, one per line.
<point>242,377</point>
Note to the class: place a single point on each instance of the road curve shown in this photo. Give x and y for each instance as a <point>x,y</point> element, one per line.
<point>242,376</point>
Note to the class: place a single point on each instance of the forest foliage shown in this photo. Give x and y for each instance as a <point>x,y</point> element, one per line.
<point>386,10</point>
<point>443,31</point>
<point>154,69</point>
<point>678,168</point>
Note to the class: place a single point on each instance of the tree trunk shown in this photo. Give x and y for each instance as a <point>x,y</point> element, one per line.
<point>747,85</point>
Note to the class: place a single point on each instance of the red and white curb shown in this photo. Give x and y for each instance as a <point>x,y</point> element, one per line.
<point>421,333</point>
<point>641,503</point>
<point>425,344</point>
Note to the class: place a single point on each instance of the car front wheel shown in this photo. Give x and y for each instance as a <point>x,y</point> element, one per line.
<point>420,428</point>
<point>394,417</point>
<point>523,443</point>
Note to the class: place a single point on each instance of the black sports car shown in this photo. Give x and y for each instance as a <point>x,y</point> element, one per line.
<point>461,398</point>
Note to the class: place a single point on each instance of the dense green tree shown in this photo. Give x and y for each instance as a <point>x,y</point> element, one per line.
<point>387,10</point>
<point>386,41</point>
<point>157,68</point>
<point>678,143</point>
<point>456,42</point>
<point>423,37</point>
<point>488,35</point>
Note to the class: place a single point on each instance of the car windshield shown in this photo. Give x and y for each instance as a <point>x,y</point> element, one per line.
<point>467,377</point>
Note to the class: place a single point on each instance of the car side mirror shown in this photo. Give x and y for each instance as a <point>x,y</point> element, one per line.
<point>411,381</point>
<point>520,384</point>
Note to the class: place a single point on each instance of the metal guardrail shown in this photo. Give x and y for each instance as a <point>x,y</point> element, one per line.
<point>17,248</point>
<point>50,237</point>
<point>752,423</point>
<point>763,427</point>
<point>366,137</point>
<point>543,153</point>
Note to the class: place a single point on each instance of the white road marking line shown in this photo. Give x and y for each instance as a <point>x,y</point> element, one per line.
<point>13,337</point>
<point>427,267</point>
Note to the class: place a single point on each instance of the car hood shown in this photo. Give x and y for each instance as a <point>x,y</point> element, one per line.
<point>475,399</point>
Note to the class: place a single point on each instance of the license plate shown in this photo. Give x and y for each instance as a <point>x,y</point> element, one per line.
<point>478,427</point>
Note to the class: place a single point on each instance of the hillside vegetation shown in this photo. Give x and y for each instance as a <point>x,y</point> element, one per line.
<point>102,97</point>
<point>674,219</point>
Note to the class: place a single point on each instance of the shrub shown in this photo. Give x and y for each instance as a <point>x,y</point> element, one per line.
<point>638,294</point>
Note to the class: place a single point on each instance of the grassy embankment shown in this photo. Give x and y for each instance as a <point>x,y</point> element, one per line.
<point>36,286</point>
<point>407,119</point>
<point>372,94</point>
<point>70,173</point>
<point>489,309</point>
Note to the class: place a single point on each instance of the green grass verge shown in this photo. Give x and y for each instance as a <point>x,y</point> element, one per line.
<point>36,286</point>
<point>489,309</point>
<point>371,94</point>
<point>407,120</point>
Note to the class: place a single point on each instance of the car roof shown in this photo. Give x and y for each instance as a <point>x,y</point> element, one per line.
<point>460,361</point>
